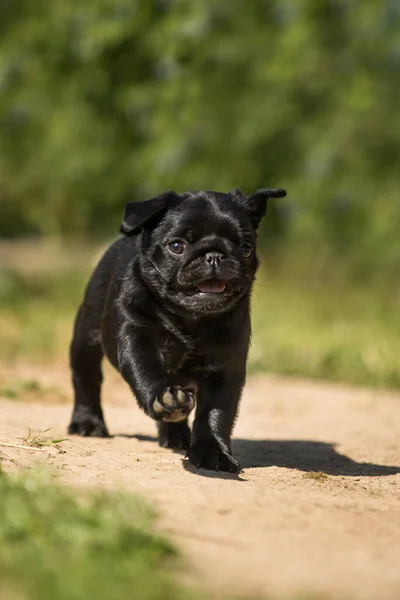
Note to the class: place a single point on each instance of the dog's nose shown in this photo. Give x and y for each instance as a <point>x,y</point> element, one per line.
<point>214,258</point>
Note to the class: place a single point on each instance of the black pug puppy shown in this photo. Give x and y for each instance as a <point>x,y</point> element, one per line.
<point>168,305</point>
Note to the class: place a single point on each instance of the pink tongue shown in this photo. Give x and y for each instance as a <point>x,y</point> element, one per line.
<point>211,286</point>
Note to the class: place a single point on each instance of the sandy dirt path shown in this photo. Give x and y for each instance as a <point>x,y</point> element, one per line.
<point>316,509</point>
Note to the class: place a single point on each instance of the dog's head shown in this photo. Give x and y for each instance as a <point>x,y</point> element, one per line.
<point>198,249</point>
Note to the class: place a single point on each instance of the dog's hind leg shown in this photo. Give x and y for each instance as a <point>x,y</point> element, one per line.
<point>86,356</point>
<point>174,435</point>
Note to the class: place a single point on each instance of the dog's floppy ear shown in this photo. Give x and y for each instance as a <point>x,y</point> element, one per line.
<point>257,203</point>
<point>138,213</point>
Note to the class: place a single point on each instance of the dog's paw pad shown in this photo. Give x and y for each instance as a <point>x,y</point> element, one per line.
<point>168,399</point>
<point>174,404</point>
<point>158,407</point>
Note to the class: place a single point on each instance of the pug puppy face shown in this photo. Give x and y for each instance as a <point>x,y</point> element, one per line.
<point>199,248</point>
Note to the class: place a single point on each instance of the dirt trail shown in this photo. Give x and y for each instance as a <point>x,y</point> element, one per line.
<point>316,509</point>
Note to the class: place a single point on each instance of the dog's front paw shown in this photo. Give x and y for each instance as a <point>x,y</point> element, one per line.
<point>208,454</point>
<point>173,404</point>
<point>88,425</point>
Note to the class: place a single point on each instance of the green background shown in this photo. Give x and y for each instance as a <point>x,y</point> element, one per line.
<point>107,101</point>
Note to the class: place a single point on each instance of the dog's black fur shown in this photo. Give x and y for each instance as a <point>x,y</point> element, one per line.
<point>168,305</point>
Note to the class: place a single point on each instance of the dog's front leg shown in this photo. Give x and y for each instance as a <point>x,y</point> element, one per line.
<point>157,392</point>
<point>218,402</point>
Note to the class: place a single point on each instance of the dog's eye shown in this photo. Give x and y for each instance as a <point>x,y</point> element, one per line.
<point>246,251</point>
<point>177,246</point>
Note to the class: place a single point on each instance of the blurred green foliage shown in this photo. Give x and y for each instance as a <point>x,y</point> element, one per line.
<point>340,333</point>
<point>58,544</point>
<point>110,100</point>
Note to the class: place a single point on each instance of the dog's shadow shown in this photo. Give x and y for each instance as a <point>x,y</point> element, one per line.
<point>302,455</point>
<point>305,455</point>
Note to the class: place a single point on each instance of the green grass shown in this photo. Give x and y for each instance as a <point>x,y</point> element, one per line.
<point>301,328</point>
<point>16,389</point>
<point>58,544</point>
<point>37,312</point>
<point>40,440</point>
<point>338,333</point>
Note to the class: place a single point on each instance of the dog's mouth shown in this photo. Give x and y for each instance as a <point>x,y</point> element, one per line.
<point>211,286</point>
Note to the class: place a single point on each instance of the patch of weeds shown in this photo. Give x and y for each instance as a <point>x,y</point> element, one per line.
<point>317,476</point>
<point>38,441</point>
